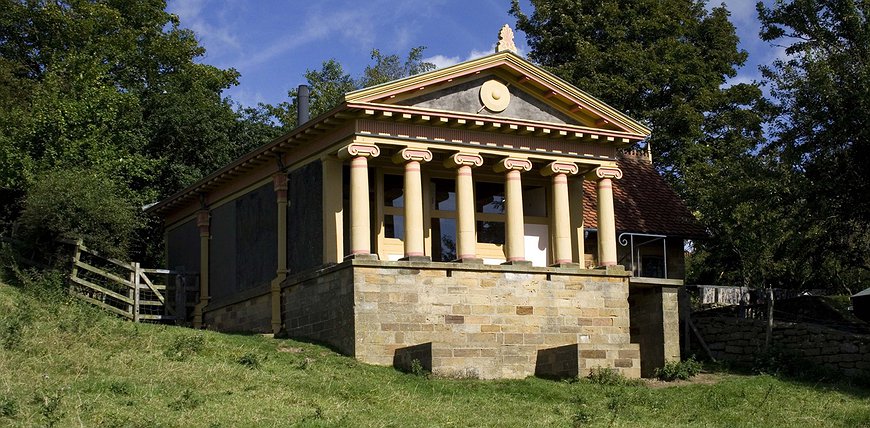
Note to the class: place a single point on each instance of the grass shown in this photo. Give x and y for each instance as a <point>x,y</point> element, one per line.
<point>70,365</point>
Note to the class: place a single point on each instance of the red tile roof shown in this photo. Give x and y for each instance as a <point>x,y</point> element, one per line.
<point>643,203</point>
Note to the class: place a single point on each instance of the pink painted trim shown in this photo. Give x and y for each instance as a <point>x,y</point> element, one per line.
<point>608,263</point>
<point>467,256</point>
<point>563,261</point>
<point>359,252</point>
<point>516,259</point>
<point>415,254</point>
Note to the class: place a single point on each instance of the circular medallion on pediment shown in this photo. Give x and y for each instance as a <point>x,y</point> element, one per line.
<point>495,95</point>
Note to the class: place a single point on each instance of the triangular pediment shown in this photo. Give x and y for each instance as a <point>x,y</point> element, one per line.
<point>502,85</point>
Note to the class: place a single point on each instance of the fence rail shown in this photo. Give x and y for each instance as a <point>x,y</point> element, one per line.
<point>129,290</point>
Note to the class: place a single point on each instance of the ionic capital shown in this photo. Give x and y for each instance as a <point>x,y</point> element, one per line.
<point>354,150</point>
<point>463,159</point>
<point>605,172</point>
<point>412,154</point>
<point>513,164</point>
<point>569,168</point>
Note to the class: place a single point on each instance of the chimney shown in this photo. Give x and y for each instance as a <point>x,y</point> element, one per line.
<point>302,98</point>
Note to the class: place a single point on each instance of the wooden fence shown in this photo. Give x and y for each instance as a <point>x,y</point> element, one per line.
<point>129,290</point>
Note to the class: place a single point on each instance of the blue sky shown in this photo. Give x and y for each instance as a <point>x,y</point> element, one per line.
<point>271,42</point>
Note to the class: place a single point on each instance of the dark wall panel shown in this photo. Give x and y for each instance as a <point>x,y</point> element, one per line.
<point>305,217</point>
<point>183,247</point>
<point>222,251</point>
<point>256,238</point>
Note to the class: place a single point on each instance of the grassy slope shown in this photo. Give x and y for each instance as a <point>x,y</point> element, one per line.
<point>78,367</point>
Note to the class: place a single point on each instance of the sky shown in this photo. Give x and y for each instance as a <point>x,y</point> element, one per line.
<point>273,42</point>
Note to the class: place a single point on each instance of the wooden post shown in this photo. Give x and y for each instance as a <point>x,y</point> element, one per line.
<point>77,254</point>
<point>136,273</point>
<point>769,332</point>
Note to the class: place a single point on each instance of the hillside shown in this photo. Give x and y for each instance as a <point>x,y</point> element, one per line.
<point>65,364</point>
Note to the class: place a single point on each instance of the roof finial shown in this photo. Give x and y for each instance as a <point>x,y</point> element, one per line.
<point>506,40</point>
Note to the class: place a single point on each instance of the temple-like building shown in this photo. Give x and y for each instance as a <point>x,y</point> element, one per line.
<point>440,217</point>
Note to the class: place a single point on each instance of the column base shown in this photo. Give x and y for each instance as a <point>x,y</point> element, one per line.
<point>523,263</point>
<point>469,260</point>
<point>416,259</point>
<point>566,265</point>
<point>361,257</point>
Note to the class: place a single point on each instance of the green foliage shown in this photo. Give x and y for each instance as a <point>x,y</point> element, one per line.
<point>417,369</point>
<point>77,204</point>
<point>328,85</point>
<point>185,346</point>
<point>13,325</point>
<point>820,131</point>
<point>682,370</point>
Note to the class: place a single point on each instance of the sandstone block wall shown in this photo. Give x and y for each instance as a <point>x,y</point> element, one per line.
<point>319,306</point>
<point>655,325</point>
<point>741,340</point>
<point>251,312</point>
<point>490,322</point>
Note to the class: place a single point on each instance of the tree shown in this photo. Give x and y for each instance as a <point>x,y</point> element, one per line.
<point>666,63</point>
<point>821,133</point>
<point>329,84</point>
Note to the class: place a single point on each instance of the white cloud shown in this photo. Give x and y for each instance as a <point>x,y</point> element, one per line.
<point>442,61</point>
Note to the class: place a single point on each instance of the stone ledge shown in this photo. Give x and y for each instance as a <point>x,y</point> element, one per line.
<point>240,297</point>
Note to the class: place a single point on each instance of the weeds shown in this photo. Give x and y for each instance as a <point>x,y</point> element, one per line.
<point>8,407</point>
<point>417,369</point>
<point>188,400</point>
<point>184,347</point>
<point>12,327</point>
<point>49,406</point>
<point>681,370</point>
<point>250,360</point>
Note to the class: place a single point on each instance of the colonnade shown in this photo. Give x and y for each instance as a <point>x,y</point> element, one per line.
<point>566,216</point>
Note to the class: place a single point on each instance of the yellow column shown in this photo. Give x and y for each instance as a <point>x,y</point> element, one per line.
<point>202,222</point>
<point>333,216</point>
<point>466,239</point>
<point>280,182</point>
<point>575,204</point>
<point>360,213</point>
<point>561,216</point>
<point>515,250</point>
<point>606,220</point>
<point>413,196</point>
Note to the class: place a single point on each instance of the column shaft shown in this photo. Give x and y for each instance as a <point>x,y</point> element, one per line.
<point>465,237</point>
<point>561,220</point>
<point>514,229</point>
<point>360,233</point>
<point>280,183</point>
<point>606,224</point>
<point>203,223</point>
<point>413,210</point>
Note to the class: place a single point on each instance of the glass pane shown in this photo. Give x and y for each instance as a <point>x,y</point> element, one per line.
<point>393,191</point>
<point>490,198</point>
<point>394,226</point>
<point>490,232</point>
<point>534,201</point>
<point>443,194</point>
<point>443,239</point>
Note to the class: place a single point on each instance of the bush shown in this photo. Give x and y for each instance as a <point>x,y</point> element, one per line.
<point>682,370</point>
<point>250,360</point>
<point>609,376</point>
<point>76,204</point>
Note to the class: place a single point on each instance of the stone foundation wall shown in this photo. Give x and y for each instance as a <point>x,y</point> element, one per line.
<point>655,325</point>
<point>741,340</point>
<point>319,306</point>
<point>491,321</point>
<point>248,312</point>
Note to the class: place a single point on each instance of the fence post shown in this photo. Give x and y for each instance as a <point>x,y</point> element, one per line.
<point>137,271</point>
<point>77,254</point>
